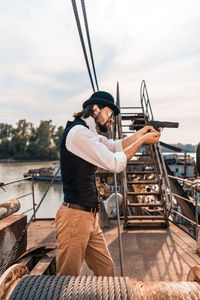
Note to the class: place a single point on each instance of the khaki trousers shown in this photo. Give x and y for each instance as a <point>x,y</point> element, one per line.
<point>80,237</point>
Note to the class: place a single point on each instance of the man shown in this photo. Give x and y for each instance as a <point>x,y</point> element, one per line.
<point>82,150</point>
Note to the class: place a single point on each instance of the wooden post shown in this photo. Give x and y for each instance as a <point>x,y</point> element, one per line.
<point>8,208</point>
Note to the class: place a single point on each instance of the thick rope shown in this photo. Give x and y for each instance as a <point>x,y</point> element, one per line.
<point>18,287</point>
<point>48,287</point>
<point>21,287</point>
<point>117,288</point>
<point>51,287</point>
<point>67,289</point>
<point>99,285</point>
<point>34,288</point>
<point>42,282</point>
<point>59,287</point>
<point>111,288</point>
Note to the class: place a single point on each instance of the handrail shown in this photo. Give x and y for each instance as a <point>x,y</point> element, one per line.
<point>184,180</point>
<point>182,198</point>
<point>23,196</point>
<point>165,180</point>
<point>178,213</point>
<point>148,113</point>
<point>18,180</point>
<point>194,202</point>
<point>145,102</point>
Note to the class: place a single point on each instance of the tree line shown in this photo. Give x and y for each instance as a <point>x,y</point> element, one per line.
<point>27,142</point>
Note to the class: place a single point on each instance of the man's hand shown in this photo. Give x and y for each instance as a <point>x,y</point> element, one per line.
<point>147,138</point>
<point>151,137</point>
<point>144,130</point>
<point>126,142</point>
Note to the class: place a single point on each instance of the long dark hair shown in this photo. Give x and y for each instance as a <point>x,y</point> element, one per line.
<point>86,112</point>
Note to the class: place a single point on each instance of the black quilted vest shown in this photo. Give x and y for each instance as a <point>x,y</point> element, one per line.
<point>78,175</point>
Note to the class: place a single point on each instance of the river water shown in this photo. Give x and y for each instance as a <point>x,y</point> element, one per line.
<point>10,172</point>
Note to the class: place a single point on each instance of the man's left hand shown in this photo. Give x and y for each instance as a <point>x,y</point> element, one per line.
<point>144,130</point>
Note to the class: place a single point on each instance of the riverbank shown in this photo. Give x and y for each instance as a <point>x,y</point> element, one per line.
<point>10,160</point>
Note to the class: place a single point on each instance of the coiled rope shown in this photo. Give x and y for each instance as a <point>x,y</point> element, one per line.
<point>54,287</point>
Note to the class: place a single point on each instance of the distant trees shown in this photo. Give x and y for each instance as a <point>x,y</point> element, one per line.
<point>27,142</point>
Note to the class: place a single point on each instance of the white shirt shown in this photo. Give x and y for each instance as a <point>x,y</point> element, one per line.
<point>96,149</point>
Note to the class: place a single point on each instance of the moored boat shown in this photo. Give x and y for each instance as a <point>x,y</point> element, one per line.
<point>45,174</point>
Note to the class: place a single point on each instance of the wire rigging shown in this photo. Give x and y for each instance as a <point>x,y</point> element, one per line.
<point>89,42</point>
<point>82,41</point>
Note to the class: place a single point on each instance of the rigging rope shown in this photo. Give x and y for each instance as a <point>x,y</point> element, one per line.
<point>89,42</point>
<point>82,41</point>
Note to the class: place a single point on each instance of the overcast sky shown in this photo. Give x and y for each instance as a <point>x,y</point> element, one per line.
<point>43,73</point>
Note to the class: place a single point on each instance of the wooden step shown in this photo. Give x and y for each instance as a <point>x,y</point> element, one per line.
<point>133,118</point>
<point>154,204</point>
<point>143,154</point>
<point>144,193</point>
<point>43,265</point>
<point>143,182</point>
<point>130,116</point>
<point>136,125</point>
<point>144,217</point>
<point>139,162</point>
<point>146,223</point>
<point>136,114</point>
<point>140,172</point>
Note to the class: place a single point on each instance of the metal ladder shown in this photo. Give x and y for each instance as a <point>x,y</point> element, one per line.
<point>145,184</point>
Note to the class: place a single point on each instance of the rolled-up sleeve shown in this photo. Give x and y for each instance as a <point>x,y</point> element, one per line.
<point>86,144</point>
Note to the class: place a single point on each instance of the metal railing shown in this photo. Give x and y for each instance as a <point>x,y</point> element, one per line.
<point>193,200</point>
<point>165,185</point>
<point>145,102</point>
<point>32,192</point>
<point>163,178</point>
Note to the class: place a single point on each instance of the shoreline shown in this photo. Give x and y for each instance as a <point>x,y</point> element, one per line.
<point>9,160</point>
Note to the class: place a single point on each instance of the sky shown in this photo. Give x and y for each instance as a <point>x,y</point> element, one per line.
<point>43,74</point>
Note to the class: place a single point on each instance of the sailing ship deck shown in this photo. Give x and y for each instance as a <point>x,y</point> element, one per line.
<point>149,255</point>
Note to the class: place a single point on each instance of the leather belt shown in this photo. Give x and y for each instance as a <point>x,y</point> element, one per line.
<point>80,207</point>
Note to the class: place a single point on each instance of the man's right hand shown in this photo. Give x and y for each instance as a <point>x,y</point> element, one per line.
<point>151,137</point>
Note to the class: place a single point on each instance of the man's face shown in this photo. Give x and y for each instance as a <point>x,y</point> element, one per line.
<point>104,117</point>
